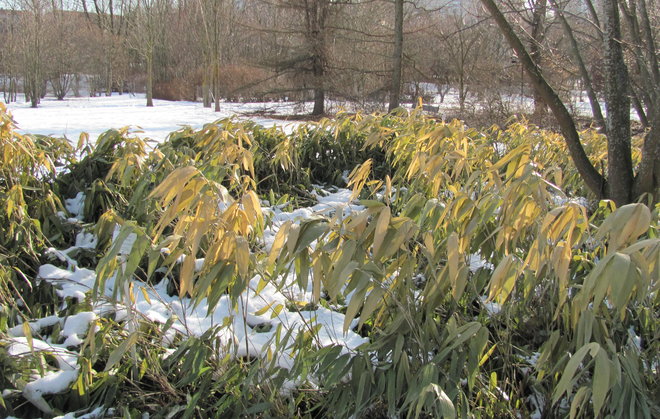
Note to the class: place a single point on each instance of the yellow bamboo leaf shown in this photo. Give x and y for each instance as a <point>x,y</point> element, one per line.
<point>292,239</point>
<point>242,256</point>
<point>264,309</point>
<point>503,279</point>
<point>381,229</point>
<point>278,242</point>
<point>372,302</point>
<point>453,253</point>
<point>175,180</point>
<point>145,294</point>
<point>388,189</point>
<point>357,222</point>
<point>358,178</point>
<point>561,259</point>
<point>638,222</point>
<point>186,276</point>
<point>428,242</point>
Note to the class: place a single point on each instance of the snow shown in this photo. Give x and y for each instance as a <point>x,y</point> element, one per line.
<point>69,283</point>
<point>75,205</point>
<point>477,262</point>
<point>76,326</point>
<point>492,308</point>
<point>95,115</point>
<point>20,347</point>
<point>51,383</point>
<point>99,412</point>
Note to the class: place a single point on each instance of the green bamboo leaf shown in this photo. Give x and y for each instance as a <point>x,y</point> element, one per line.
<point>565,384</point>
<point>581,395</point>
<point>310,230</point>
<point>371,304</point>
<point>356,302</point>
<point>118,353</point>
<point>601,381</point>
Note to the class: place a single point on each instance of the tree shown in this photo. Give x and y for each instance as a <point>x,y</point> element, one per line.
<point>397,59</point>
<point>212,31</point>
<point>32,51</point>
<point>621,184</point>
<point>9,56</point>
<point>147,31</point>
<point>110,17</point>
<point>62,52</point>
<point>300,43</point>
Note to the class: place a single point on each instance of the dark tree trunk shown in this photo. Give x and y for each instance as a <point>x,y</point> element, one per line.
<point>537,36</point>
<point>648,172</point>
<point>150,80</point>
<point>397,58</point>
<point>319,102</point>
<point>617,101</point>
<point>316,12</point>
<point>216,85</point>
<point>206,91</point>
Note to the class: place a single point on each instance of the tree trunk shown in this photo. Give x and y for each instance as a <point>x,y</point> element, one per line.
<point>315,15</point>
<point>537,36</point>
<point>648,172</point>
<point>206,90</point>
<point>461,92</point>
<point>319,101</point>
<point>150,80</point>
<point>108,76</point>
<point>617,101</point>
<point>216,85</point>
<point>397,59</point>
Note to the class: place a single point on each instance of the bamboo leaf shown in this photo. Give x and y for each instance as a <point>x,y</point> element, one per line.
<point>242,256</point>
<point>174,181</point>
<point>601,381</point>
<point>565,383</point>
<point>371,304</point>
<point>118,353</point>
<point>278,242</point>
<point>503,279</point>
<point>381,228</point>
<point>186,276</point>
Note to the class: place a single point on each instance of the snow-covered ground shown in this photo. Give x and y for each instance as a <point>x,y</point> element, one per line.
<point>94,115</point>
<point>251,329</point>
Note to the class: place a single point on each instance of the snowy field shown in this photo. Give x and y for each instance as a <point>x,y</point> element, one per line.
<point>94,115</point>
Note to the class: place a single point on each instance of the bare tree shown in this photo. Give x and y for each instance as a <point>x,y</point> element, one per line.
<point>32,33</point>
<point>621,184</point>
<point>110,16</point>
<point>147,33</point>
<point>10,55</point>
<point>397,58</point>
<point>213,17</point>
<point>62,54</point>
